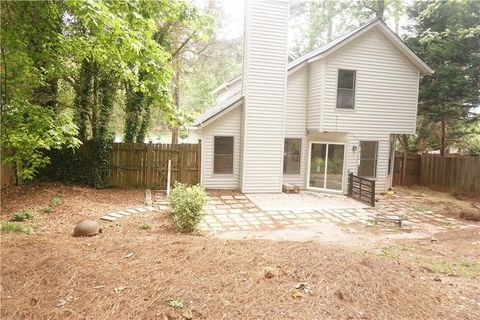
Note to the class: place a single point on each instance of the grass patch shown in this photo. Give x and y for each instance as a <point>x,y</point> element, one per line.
<point>22,215</point>
<point>421,208</point>
<point>464,268</point>
<point>54,202</point>
<point>9,226</point>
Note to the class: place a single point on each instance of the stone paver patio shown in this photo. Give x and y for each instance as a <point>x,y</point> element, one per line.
<point>239,213</point>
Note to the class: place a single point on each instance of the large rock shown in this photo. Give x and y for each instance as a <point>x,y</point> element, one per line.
<point>86,228</point>
<point>470,214</point>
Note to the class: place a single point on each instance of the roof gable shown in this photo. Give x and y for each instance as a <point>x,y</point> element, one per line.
<point>336,44</point>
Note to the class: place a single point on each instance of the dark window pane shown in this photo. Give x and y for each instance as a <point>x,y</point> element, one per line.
<point>368,159</point>
<point>346,79</point>
<point>346,89</point>
<point>291,157</point>
<point>345,98</point>
<point>223,155</point>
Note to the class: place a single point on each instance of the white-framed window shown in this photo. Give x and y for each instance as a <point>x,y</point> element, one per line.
<point>223,155</point>
<point>346,89</point>
<point>367,166</point>
<point>291,155</point>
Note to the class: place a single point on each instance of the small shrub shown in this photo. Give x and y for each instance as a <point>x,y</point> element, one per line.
<point>146,226</point>
<point>9,226</point>
<point>22,215</point>
<point>47,209</point>
<point>186,204</point>
<point>55,201</point>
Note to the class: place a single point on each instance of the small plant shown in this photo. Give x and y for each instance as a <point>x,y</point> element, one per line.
<point>47,210</point>
<point>187,203</point>
<point>9,226</point>
<point>22,215</point>
<point>53,203</point>
<point>175,303</point>
<point>145,226</point>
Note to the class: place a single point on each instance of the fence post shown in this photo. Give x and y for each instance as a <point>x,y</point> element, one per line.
<point>372,194</point>
<point>404,168</point>
<point>350,183</point>
<point>199,161</point>
<point>149,165</point>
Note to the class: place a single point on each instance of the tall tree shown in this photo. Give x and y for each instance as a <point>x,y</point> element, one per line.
<point>31,120</point>
<point>446,36</point>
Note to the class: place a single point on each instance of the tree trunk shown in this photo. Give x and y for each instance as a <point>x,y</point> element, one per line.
<point>176,101</point>
<point>442,137</point>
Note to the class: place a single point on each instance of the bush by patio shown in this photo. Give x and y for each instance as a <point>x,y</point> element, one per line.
<point>187,206</point>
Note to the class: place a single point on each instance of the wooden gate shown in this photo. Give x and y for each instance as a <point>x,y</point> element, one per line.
<point>146,165</point>
<point>361,189</point>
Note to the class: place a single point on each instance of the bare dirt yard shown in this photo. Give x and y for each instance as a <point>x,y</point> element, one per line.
<point>140,268</point>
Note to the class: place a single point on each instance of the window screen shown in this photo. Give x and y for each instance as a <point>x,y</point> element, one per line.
<point>346,89</point>
<point>223,155</point>
<point>368,159</point>
<point>291,156</point>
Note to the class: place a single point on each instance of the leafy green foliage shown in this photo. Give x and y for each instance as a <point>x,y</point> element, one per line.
<point>22,215</point>
<point>16,227</point>
<point>187,206</point>
<point>64,64</point>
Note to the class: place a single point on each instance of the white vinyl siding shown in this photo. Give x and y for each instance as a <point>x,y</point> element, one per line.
<point>264,87</point>
<point>295,120</point>
<point>229,126</point>
<point>385,92</point>
<point>315,94</point>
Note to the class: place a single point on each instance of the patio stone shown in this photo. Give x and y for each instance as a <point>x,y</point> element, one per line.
<point>226,197</point>
<point>131,210</point>
<point>108,218</point>
<point>114,215</point>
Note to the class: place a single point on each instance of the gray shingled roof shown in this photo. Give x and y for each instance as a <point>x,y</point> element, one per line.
<point>225,104</point>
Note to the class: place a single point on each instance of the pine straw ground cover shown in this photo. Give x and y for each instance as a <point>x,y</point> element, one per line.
<point>131,273</point>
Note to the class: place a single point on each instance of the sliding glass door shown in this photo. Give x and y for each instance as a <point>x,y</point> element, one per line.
<point>326,166</point>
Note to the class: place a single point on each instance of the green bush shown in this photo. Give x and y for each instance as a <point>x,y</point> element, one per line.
<point>186,206</point>
<point>22,215</point>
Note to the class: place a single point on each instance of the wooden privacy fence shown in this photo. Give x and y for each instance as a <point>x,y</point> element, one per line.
<point>146,165</point>
<point>7,176</point>
<point>361,189</point>
<point>460,174</point>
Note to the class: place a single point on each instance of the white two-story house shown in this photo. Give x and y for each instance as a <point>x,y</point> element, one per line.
<point>313,120</point>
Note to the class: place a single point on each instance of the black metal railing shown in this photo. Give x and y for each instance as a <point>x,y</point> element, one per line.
<point>361,189</point>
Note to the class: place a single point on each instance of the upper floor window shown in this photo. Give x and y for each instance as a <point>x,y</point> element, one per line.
<point>346,89</point>
<point>368,159</point>
<point>223,155</point>
<point>291,156</point>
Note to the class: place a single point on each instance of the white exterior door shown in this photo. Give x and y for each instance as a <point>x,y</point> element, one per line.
<point>326,161</point>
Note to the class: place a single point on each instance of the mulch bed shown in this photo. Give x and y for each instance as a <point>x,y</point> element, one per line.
<point>130,273</point>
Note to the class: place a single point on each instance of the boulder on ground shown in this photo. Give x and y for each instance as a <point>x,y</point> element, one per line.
<point>85,228</point>
<point>470,214</point>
